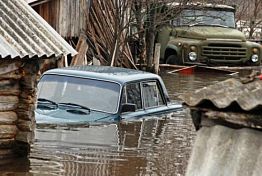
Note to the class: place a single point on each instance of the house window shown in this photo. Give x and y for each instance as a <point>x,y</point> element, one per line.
<point>132,94</point>
<point>151,94</point>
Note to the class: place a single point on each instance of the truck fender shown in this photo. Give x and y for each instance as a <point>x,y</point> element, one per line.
<point>171,49</point>
<point>173,52</point>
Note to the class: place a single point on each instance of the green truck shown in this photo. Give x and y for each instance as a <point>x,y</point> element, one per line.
<point>206,34</point>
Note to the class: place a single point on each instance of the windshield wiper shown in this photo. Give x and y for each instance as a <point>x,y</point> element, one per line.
<point>198,23</point>
<point>219,25</point>
<point>42,102</point>
<point>74,105</point>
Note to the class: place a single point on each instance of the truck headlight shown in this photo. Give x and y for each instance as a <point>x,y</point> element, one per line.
<point>254,58</point>
<point>192,56</point>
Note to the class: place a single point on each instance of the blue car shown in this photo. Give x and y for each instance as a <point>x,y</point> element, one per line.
<point>94,94</point>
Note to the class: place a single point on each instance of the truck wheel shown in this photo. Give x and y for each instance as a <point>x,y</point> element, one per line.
<point>255,64</point>
<point>173,60</point>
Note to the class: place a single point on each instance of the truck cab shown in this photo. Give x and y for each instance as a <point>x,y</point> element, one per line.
<point>206,34</point>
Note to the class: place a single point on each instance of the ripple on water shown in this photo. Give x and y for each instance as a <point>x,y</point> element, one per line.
<point>155,146</point>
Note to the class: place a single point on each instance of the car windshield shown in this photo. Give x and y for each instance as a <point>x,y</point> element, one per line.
<point>94,94</point>
<point>190,17</point>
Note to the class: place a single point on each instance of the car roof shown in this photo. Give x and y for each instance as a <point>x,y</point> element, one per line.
<point>115,74</point>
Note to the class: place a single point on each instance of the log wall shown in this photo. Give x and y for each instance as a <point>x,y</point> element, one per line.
<point>17,104</point>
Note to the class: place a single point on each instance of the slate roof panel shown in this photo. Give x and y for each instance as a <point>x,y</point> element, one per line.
<point>25,34</point>
<point>226,93</point>
<point>220,150</point>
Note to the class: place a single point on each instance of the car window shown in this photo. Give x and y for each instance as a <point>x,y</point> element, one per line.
<point>151,94</point>
<point>132,94</point>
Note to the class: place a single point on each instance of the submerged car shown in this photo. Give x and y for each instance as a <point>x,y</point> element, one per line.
<point>86,94</point>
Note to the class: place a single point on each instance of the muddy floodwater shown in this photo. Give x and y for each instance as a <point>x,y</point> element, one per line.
<point>152,146</point>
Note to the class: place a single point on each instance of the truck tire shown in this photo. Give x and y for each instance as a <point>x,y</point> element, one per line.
<point>173,60</point>
<point>255,64</point>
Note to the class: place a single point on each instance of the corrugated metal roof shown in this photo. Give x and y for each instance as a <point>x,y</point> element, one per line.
<point>24,34</point>
<point>226,93</point>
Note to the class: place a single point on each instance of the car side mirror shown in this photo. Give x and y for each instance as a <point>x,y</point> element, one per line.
<point>128,107</point>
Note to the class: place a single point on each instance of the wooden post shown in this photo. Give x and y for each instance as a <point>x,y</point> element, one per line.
<point>61,62</point>
<point>96,61</point>
<point>157,57</point>
<point>26,106</point>
<point>114,54</point>
<point>81,48</point>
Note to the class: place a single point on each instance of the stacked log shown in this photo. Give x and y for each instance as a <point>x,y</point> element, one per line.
<point>17,92</point>
<point>9,98</point>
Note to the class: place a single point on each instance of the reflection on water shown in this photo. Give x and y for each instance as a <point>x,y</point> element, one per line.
<point>156,146</point>
<point>127,148</point>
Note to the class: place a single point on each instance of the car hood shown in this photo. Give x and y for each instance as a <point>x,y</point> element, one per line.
<point>61,116</point>
<point>205,32</point>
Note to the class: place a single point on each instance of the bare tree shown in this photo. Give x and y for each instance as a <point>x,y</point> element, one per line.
<point>122,21</point>
<point>107,30</point>
<point>149,16</point>
<point>255,18</point>
<point>250,14</point>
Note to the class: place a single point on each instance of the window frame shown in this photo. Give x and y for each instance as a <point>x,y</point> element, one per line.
<point>124,92</point>
<point>160,92</point>
<point>141,82</point>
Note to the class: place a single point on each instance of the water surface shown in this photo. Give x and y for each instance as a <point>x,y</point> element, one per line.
<point>151,146</point>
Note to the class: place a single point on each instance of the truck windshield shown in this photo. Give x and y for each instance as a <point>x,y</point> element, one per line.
<point>190,17</point>
<point>94,94</point>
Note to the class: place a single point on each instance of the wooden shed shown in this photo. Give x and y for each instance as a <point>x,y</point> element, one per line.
<point>26,40</point>
<point>67,17</point>
<point>95,20</point>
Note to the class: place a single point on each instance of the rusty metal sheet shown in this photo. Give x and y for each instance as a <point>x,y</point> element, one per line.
<point>24,34</point>
<point>226,94</point>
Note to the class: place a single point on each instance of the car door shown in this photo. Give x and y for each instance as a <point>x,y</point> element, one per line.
<point>147,97</point>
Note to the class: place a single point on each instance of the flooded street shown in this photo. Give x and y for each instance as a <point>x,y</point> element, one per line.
<point>157,146</point>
